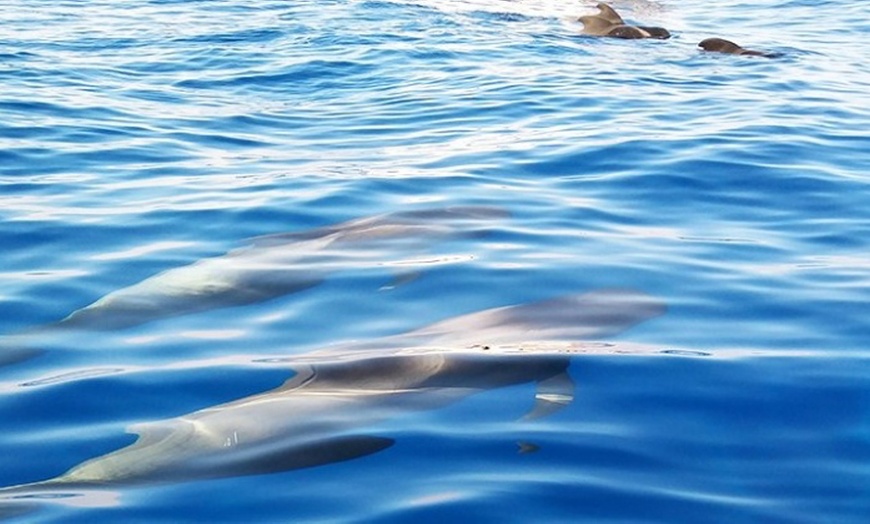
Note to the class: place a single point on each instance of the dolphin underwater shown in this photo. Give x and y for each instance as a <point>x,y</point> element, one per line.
<point>607,22</point>
<point>275,265</point>
<point>720,45</point>
<point>324,413</point>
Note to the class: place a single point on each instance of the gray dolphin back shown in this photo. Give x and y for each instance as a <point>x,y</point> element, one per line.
<point>593,315</point>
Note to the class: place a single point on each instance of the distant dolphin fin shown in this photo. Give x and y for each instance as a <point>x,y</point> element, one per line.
<point>552,395</point>
<point>589,316</point>
<point>319,453</point>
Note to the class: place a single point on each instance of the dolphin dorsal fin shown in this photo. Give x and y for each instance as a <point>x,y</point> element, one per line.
<point>304,374</point>
<point>608,13</point>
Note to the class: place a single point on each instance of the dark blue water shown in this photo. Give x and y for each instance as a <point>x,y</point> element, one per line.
<point>141,137</point>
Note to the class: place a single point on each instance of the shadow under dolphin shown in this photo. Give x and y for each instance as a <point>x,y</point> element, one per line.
<point>325,412</point>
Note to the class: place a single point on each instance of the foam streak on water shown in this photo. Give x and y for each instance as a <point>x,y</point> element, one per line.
<point>138,137</point>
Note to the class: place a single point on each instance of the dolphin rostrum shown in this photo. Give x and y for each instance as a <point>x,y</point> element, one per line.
<point>274,266</point>
<point>607,22</point>
<point>325,412</point>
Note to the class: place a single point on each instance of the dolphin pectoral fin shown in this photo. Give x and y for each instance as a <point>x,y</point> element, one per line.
<point>552,394</point>
<point>320,453</point>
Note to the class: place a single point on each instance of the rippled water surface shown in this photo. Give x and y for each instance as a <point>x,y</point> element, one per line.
<point>506,159</point>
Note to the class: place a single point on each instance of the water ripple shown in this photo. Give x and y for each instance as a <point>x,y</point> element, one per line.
<point>137,137</point>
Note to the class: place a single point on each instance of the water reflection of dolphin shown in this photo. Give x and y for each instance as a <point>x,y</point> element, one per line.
<point>273,266</point>
<point>322,414</point>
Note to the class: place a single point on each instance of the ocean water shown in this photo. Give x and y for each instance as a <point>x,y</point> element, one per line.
<point>143,137</point>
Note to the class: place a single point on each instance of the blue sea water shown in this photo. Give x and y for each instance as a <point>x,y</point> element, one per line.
<point>138,137</point>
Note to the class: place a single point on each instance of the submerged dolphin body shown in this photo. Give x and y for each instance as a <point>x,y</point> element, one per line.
<point>322,414</point>
<point>607,22</point>
<point>720,45</point>
<point>273,266</point>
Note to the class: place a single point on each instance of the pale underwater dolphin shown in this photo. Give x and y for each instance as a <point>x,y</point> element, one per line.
<point>276,265</point>
<point>322,414</point>
<point>607,22</point>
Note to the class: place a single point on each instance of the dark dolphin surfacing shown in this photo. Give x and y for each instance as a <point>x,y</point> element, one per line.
<point>607,22</point>
<point>720,45</point>
<point>325,412</point>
